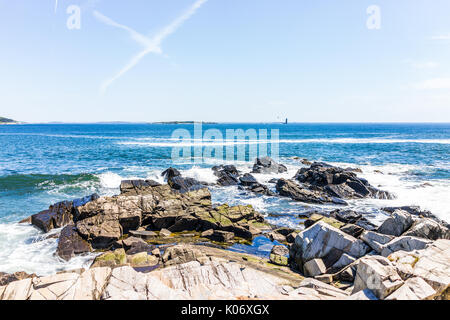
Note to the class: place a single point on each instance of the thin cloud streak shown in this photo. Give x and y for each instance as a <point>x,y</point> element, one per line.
<point>441,37</point>
<point>434,84</point>
<point>151,45</point>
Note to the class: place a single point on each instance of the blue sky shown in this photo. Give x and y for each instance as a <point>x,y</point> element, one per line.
<point>225,60</point>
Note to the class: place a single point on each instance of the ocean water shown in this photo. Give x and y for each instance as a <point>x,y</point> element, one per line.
<point>43,164</point>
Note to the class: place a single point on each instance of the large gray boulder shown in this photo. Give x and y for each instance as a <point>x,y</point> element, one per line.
<point>432,264</point>
<point>377,274</point>
<point>375,240</point>
<point>413,289</point>
<point>399,222</point>
<point>322,241</point>
<point>429,229</point>
<point>404,244</point>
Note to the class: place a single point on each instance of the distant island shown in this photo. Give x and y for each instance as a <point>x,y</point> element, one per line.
<point>7,121</point>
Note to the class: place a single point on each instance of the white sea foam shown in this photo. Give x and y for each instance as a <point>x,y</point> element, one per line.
<point>430,195</point>
<point>109,180</point>
<point>200,174</point>
<point>210,143</point>
<point>23,248</point>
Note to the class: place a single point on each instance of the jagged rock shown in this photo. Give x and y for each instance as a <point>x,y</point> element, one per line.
<point>313,289</point>
<point>70,243</point>
<point>267,165</point>
<point>114,258</point>
<point>346,216</point>
<point>352,217</point>
<point>180,184</point>
<point>325,278</point>
<point>53,287</point>
<point>261,189</point>
<point>134,245</point>
<point>89,285</point>
<point>137,187</point>
<point>181,254</point>
<point>288,188</point>
<point>413,210</point>
<point>428,229</point>
<point>274,236</point>
<point>247,180</point>
<point>290,238</point>
<point>156,252</point>
<point>314,218</point>
<point>227,175</point>
<point>221,236</point>
<point>399,222</point>
<point>126,284</point>
<point>432,264</point>
<point>413,289</point>
<point>106,219</point>
<point>314,267</point>
<point>214,278</point>
<point>419,213</point>
<point>143,234</point>
<point>17,290</point>
<point>377,274</point>
<point>60,214</point>
<point>56,216</point>
<point>346,275</point>
<point>404,244</point>
<point>6,278</point>
<point>284,231</point>
<point>353,230</point>
<point>338,182</point>
<point>343,261</point>
<point>164,233</point>
<point>322,241</point>
<point>375,240</point>
<point>279,255</point>
<point>142,259</point>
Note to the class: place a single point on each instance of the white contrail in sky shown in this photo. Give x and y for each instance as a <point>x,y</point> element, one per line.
<point>150,44</point>
<point>56,5</point>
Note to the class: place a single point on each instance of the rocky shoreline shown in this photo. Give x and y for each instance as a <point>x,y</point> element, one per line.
<point>169,241</point>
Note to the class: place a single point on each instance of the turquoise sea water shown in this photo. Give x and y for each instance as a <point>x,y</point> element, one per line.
<point>43,164</point>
